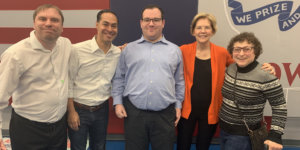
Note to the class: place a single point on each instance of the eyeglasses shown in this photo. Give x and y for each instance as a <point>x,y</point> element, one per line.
<point>154,20</point>
<point>237,50</point>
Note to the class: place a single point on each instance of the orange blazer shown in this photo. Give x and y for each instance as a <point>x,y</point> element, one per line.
<point>220,59</point>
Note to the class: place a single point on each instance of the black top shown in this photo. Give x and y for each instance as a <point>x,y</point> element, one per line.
<point>201,89</point>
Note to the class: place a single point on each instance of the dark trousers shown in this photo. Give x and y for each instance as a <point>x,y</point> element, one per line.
<point>186,129</point>
<point>144,127</point>
<point>234,142</point>
<point>92,123</point>
<point>31,135</point>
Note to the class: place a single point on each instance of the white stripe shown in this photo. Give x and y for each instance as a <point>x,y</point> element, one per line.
<point>73,18</point>
<point>3,47</point>
<point>228,20</point>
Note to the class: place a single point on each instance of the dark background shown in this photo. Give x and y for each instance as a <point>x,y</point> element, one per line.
<point>178,19</point>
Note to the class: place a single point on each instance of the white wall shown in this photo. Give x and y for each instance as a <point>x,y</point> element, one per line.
<point>279,47</point>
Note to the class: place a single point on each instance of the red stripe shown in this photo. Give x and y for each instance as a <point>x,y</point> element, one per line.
<point>115,125</point>
<point>62,4</point>
<point>79,34</point>
<point>13,35</point>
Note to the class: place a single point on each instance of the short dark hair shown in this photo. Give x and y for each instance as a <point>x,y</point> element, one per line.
<point>250,38</point>
<point>152,6</point>
<point>47,6</point>
<point>105,11</point>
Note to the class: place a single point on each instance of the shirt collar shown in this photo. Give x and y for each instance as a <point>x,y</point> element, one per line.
<point>161,40</point>
<point>95,46</point>
<point>36,44</point>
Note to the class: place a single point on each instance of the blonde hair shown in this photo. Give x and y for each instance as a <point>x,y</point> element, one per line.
<point>210,17</point>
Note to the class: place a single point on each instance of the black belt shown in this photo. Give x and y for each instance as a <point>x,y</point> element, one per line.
<point>90,108</point>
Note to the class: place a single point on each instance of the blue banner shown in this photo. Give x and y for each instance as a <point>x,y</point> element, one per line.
<point>283,8</point>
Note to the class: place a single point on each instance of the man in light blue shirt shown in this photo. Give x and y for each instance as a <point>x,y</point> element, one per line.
<point>148,86</point>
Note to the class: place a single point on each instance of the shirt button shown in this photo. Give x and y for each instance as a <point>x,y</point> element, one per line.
<point>150,93</point>
<point>152,60</point>
<point>152,71</point>
<point>150,81</point>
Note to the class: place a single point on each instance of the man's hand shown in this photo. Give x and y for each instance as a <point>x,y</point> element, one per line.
<point>73,120</point>
<point>268,67</point>
<point>178,114</point>
<point>120,111</point>
<point>2,146</point>
<point>273,145</point>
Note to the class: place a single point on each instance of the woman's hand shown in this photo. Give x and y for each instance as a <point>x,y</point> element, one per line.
<point>273,145</point>
<point>269,67</point>
<point>122,46</point>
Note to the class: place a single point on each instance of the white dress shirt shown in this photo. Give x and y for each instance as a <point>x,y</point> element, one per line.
<point>36,78</point>
<point>91,71</point>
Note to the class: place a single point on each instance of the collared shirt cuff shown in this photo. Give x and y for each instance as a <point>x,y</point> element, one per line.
<point>178,104</point>
<point>70,94</point>
<point>117,100</point>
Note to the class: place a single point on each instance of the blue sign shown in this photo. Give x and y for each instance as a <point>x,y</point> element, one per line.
<point>286,20</point>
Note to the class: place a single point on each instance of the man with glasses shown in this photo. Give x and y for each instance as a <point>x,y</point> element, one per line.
<point>92,66</point>
<point>148,86</point>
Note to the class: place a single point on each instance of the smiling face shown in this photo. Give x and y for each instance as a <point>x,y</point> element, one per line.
<point>203,31</point>
<point>243,53</point>
<point>152,30</point>
<point>107,27</point>
<point>48,25</point>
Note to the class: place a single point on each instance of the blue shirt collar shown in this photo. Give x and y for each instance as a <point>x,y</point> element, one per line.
<point>162,40</point>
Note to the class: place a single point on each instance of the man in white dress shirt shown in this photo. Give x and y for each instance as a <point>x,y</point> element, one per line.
<point>34,72</point>
<point>92,66</point>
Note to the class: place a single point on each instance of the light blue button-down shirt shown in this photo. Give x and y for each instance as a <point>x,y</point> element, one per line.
<point>150,74</point>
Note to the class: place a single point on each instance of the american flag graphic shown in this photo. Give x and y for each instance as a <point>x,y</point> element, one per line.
<point>17,22</point>
<point>79,25</point>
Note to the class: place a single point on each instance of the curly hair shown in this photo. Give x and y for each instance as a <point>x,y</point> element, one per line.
<point>250,38</point>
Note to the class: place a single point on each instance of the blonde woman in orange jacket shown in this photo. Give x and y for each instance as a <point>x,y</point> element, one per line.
<point>204,71</point>
<point>204,68</point>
